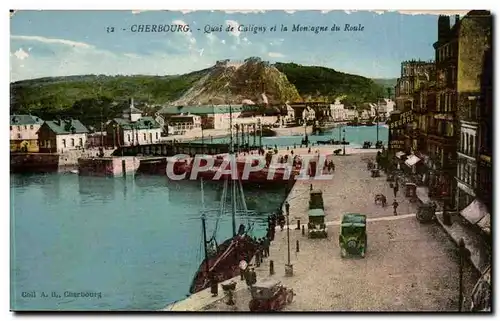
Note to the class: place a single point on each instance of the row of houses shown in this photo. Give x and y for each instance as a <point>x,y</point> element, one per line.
<point>30,133</point>
<point>444,114</point>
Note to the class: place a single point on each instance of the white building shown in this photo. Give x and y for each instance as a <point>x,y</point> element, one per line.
<point>385,107</point>
<point>60,136</point>
<point>133,129</point>
<point>337,111</point>
<point>24,133</point>
<point>184,123</point>
<point>212,116</point>
<point>351,114</point>
<point>308,114</point>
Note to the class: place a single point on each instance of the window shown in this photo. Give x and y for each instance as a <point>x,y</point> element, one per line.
<point>10,127</point>
<point>19,136</point>
<point>466,151</point>
<point>145,138</point>
<point>156,135</point>
<point>25,127</point>
<point>64,143</point>
<point>471,146</point>
<point>18,127</point>
<point>80,142</point>
<point>31,126</point>
<point>72,142</point>
<point>128,137</point>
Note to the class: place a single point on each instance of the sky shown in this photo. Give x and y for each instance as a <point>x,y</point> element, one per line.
<point>62,43</point>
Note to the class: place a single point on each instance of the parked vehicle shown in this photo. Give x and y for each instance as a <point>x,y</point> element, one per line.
<point>269,295</point>
<point>316,228</point>
<point>352,238</point>
<point>426,212</point>
<point>316,200</point>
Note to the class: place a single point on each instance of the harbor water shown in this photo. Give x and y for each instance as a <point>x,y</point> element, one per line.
<point>134,243</point>
<point>122,244</point>
<point>356,135</point>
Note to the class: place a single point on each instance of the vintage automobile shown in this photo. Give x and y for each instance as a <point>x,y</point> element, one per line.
<point>426,212</point>
<point>316,228</point>
<point>269,295</point>
<point>316,200</point>
<point>352,238</point>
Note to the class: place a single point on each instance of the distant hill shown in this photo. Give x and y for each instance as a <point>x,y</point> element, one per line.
<point>94,97</point>
<point>386,83</point>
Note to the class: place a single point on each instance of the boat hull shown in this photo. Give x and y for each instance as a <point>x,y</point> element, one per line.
<point>227,267</point>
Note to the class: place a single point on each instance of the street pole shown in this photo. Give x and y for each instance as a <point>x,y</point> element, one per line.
<point>461,246</point>
<point>288,267</point>
<point>343,144</point>
<point>202,137</point>
<point>377,120</point>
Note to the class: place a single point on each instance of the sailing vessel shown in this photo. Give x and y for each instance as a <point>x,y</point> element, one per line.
<point>222,261</point>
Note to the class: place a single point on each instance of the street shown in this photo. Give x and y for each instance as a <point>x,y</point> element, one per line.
<point>408,266</point>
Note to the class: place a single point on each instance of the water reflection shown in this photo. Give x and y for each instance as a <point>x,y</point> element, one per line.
<point>97,188</point>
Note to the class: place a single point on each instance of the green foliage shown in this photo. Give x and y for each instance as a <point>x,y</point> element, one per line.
<point>92,98</point>
<point>321,83</point>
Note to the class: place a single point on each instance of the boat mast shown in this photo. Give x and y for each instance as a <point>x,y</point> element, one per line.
<point>233,186</point>
<point>204,225</point>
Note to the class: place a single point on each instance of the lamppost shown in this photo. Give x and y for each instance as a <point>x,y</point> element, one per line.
<point>343,143</point>
<point>288,267</point>
<point>462,250</point>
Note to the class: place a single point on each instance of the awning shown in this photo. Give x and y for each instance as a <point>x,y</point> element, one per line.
<point>400,154</point>
<point>485,224</point>
<point>475,212</point>
<point>412,160</point>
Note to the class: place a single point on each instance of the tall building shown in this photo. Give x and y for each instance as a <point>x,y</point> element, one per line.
<point>442,127</point>
<point>414,75</point>
<point>473,42</point>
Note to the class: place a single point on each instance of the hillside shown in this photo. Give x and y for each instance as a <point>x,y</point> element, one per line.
<point>234,83</point>
<point>95,97</point>
<point>325,84</point>
<point>386,83</point>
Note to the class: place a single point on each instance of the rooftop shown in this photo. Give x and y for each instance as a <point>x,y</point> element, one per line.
<point>25,120</point>
<point>66,126</point>
<point>146,122</point>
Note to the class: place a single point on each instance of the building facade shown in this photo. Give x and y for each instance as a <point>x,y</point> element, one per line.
<point>212,116</point>
<point>24,133</point>
<point>473,42</point>
<point>60,136</point>
<point>133,129</point>
<point>184,123</point>
<point>443,129</point>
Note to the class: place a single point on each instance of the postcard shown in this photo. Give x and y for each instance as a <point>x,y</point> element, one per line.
<point>251,161</point>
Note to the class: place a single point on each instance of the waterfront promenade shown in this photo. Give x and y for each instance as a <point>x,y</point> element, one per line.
<point>408,266</point>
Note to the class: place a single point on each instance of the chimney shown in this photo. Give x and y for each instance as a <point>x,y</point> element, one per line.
<point>443,27</point>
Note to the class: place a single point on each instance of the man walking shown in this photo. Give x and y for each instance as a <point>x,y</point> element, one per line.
<point>396,189</point>
<point>395,206</point>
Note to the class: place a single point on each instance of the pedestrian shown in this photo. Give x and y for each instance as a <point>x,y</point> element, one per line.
<point>257,257</point>
<point>396,189</point>
<point>214,286</point>
<point>266,246</point>
<point>253,277</point>
<point>395,206</point>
